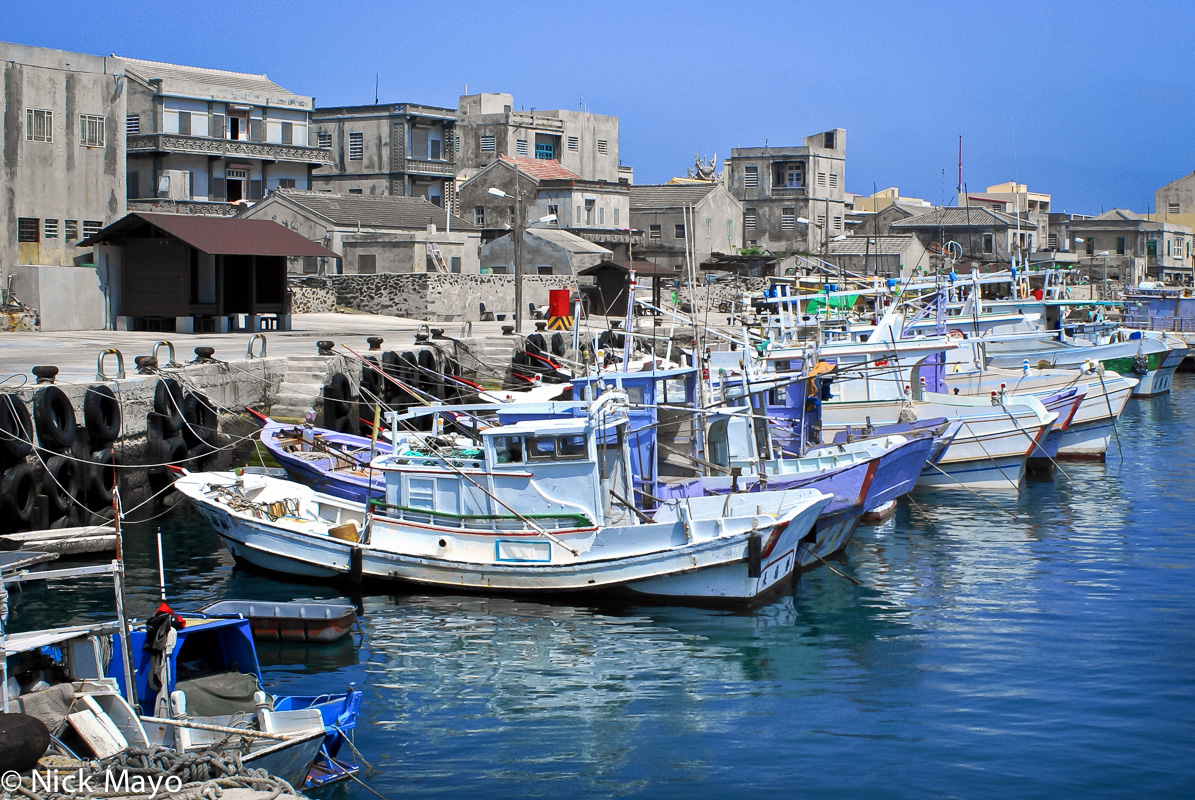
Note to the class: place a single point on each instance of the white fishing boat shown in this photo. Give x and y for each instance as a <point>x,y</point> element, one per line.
<point>539,506</point>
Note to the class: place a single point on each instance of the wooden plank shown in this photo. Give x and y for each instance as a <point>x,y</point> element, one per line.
<point>66,541</point>
<point>102,736</point>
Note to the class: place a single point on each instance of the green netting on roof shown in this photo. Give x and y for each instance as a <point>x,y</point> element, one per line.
<point>817,303</point>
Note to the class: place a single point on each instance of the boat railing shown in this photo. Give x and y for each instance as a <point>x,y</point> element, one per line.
<point>480,522</point>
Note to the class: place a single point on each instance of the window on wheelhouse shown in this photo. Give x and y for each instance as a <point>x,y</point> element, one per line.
<point>557,448</point>
<point>508,449</point>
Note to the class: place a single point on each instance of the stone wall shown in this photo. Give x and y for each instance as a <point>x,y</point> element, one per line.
<point>714,295</point>
<point>436,297</point>
<point>312,299</point>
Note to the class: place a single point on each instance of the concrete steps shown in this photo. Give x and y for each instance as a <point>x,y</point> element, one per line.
<point>301,388</point>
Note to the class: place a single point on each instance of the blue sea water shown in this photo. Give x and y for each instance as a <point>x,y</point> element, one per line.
<point>1048,655</point>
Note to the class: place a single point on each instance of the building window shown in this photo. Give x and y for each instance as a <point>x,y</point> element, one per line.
<point>356,191</point>
<point>750,177</point>
<point>367,264</point>
<point>788,218</point>
<point>434,150</point>
<point>286,183</point>
<point>132,125</point>
<point>821,221</point>
<point>749,219</point>
<point>454,265</point>
<point>288,133</point>
<point>833,180</point>
<point>91,131</point>
<point>1090,243</point>
<point>49,228</point>
<point>821,180</point>
<point>131,185</point>
<point>545,151</point>
<point>28,229</point>
<point>540,269</point>
<point>828,140</point>
<point>72,230</point>
<point>602,148</point>
<point>601,215</point>
<point>653,231</point>
<point>1053,241</point>
<point>837,223</point>
<point>574,143</point>
<point>679,233</point>
<point>310,265</point>
<point>616,216</point>
<point>1120,245</point>
<point>91,227</point>
<point>589,204</point>
<point>520,147</point>
<point>500,269</point>
<point>39,125</point>
<point>479,216</point>
<point>487,144</point>
<point>1172,208</point>
<point>184,123</point>
<point>989,243</point>
<point>356,145</point>
<point>323,141</point>
<point>554,211</point>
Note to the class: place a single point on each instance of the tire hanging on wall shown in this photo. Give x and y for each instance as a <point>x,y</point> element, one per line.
<point>558,344</point>
<point>61,484</point>
<point>55,417</point>
<point>429,376</point>
<point>18,493</point>
<point>338,404</point>
<point>168,401</point>
<point>201,418</point>
<point>536,344</point>
<point>391,365</point>
<point>16,429</point>
<point>101,484</point>
<point>101,414</point>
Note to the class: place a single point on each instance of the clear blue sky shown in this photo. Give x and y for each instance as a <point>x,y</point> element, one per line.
<point>1092,102</point>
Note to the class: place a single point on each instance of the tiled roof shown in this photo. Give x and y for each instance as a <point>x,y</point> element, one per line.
<point>247,81</point>
<point>218,235</point>
<point>959,217</point>
<point>669,195</point>
<point>877,246</point>
<point>568,241</point>
<point>542,169</point>
<point>376,211</point>
<point>1119,213</point>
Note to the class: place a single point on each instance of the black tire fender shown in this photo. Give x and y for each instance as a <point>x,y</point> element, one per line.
<point>62,483</point>
<point>202,420</point>
<point>101,414</point>
<point>55,417</point>
<point>101,484</point>
<point>17,495</point>
<point>16,428</point>
<point>168,401</point>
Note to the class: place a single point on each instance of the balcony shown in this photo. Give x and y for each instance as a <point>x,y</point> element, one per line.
<point>202,145</point>
<point>788,191</point>
<point>414,166</point>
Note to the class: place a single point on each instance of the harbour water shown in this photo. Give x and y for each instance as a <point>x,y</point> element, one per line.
<point>1048,655</point>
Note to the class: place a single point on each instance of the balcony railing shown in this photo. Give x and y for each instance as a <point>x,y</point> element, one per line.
<point>445,168</point>
<point>173,143</point>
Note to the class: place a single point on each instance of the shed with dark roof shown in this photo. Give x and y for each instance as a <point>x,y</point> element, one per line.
<point>174,272</point>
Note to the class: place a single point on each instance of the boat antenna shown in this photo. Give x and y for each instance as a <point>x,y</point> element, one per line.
<point>121,600</point>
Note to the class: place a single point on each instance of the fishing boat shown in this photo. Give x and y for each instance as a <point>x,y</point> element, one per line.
<point>289,622</point>
<point>538,507</point>
<point>335,463</point>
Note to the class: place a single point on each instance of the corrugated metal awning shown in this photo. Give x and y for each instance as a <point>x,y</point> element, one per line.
<point>217,235</point>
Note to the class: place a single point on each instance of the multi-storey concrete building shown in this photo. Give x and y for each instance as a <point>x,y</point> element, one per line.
<point>199,138</point>
<point>981,234</point>
<point>700,218</point>
<point>793,197</point>
<point>1175,202</point>
<point>1014,198</point>
<point>400,149</point>
<point>488,127</point>
<point>1124,246</point>
<point>63,155</point>
<point>598,211</point>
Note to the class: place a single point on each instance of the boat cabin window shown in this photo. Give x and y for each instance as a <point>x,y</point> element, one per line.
<point>556,448</point>
<point>509,449</point>
<point>671,391</point>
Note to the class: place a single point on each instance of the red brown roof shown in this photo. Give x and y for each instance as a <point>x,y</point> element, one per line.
<point>217,235</point>
<point>542,169</point>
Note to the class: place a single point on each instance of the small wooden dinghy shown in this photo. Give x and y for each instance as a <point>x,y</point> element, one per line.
<point>289,622</point>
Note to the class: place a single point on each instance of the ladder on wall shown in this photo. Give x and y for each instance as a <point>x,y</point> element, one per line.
<point>437,257</point>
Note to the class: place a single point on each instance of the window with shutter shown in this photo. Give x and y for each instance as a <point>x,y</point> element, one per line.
<point>749,219</point>
<point>131,184</point>
<point>218,191</point>
<point>255,130</point>
<point>653,231</point>
<point>788,218</point>
<point>1172,208</point>
<point>184,123</point>
<point>521,147</point>
<point>323,141</point>
<point>50,228</point>
<point>356,146</point>
<point>216,130</point>
<point>679,232</point>
<point>28,229</point>
<point>91,227</point>
<point>487,144</point>
<point>602,147</point>
<point>751,176</point>
<point>367,264</point>
<point>255,189</point>
<point>72,230</point>
<point>574,143</point>
<point>132,125</point>
<point>288,133</point>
